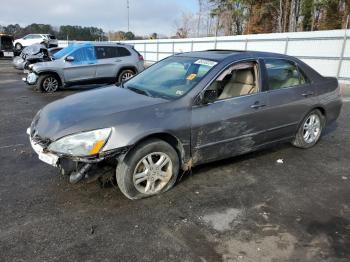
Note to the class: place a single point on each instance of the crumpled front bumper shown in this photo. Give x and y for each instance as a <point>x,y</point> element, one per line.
<point>47,157</point>
<point>57,160</point>
<point>31,78</point>
<point>18,63</point>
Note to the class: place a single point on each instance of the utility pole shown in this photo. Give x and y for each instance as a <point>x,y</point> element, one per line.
<point>127,6</point>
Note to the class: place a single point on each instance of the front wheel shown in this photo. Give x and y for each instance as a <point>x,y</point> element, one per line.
<point>18,47</point>
<point>148,169</point>
<point>310,130</point>
<point>48,83</point>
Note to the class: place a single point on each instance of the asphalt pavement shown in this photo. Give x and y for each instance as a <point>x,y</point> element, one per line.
<point>279,204</point>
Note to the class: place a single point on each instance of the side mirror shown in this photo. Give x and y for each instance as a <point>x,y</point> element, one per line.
<point>69,58</point>
<point>209,96</point>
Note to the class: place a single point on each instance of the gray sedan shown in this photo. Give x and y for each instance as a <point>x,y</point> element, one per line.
<point>185,110</point>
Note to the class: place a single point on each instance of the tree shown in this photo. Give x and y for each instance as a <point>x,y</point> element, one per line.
<point>184,27</point>
<point>263,17</point>
<point>307,7</point>
<point>153,36</point>
<point>231,15</point>
<point>331,18</point>
<point>129,35</point>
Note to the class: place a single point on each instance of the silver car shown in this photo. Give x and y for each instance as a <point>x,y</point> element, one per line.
<point>86,64</point>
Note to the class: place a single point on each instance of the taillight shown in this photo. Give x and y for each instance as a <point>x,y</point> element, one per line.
<point>140,58</point>
<point>340,90</point>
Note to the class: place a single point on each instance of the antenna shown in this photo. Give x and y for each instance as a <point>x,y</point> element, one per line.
<point>127,6</point>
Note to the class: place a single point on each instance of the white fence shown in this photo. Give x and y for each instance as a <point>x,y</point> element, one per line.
<point>326,51</point>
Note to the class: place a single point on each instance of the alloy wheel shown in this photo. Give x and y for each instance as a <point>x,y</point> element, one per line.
<point>152,173</point>
<point>312,128</point>
<point>126,76</point>
<point>50,84</point>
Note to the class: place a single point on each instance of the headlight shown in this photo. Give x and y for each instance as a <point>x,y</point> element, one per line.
<point>83,144</point>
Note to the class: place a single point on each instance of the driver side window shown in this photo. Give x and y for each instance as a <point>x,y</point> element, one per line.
<point>84,55</point>
<point>238,80</point>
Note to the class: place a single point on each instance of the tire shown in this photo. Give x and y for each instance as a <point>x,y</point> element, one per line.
<point>129,171</point>
<point>44,83</point>
<point>310,130</point>
<point>125,75</point>
<point>25,66</point>
<point>18,47</point>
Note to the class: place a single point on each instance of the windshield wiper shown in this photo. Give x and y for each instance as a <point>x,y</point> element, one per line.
<point>139,91</point>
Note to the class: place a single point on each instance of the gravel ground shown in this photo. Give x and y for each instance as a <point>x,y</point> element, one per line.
<point>248,208</point>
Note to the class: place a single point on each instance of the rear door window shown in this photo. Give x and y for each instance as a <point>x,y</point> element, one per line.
<point>122,51</point>
<point>283,74</point>
<point>104,52</point>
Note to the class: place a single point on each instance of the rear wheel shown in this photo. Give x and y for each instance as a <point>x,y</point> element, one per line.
<point>149,169</point>
<point>18,47</point>
<point>125,75</point>
<point>48,83</point>
<point>310,130</point>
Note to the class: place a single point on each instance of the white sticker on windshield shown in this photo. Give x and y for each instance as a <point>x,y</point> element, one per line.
<point>205,62</point>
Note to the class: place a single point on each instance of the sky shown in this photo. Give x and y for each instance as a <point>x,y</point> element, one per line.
<point>146,16</point>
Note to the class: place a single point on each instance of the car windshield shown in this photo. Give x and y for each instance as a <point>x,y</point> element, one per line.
<point>64,51</point>
<point>69,49</point>
<point>171,78</point>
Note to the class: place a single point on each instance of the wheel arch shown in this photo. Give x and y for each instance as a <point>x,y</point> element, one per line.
<point>60,82</point>
<point>169,138</point>
<point>317,107</point>
<point>322,110</point>
<point>129,67</point>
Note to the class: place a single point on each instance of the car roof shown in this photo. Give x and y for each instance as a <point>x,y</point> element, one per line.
<point>221,54</point>
<point>110,44</point>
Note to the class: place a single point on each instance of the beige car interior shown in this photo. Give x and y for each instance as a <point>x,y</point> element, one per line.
<point>239,80</point>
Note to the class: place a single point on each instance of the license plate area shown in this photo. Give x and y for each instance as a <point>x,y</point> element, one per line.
<point>10,54</point>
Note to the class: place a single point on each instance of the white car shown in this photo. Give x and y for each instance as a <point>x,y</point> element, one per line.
<point>47,39</point>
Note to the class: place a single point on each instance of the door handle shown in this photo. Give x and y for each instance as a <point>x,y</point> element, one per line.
<point>256,106</point>
<point>307,94</point>
<point>118,60</point>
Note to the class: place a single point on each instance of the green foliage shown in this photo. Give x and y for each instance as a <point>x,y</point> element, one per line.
<point>307,8</point>
<point>265,16</point>
<point>129,36</point>
<point>81,33</point>
<point>66,31</point>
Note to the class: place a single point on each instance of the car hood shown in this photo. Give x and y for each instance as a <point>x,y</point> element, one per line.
<point>44,65</point>
<point>88,111</point>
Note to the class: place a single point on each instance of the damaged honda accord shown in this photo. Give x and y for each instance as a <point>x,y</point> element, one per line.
<point>188,109</point>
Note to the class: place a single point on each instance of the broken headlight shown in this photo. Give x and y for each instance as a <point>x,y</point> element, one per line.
<point>82,144</point>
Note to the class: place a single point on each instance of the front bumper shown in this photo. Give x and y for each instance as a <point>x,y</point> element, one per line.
<point>57,160</point>
<point>30,79</point>
<point>47,157</point>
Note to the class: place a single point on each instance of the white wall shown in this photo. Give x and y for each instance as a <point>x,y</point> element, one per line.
<point>326,51</point>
